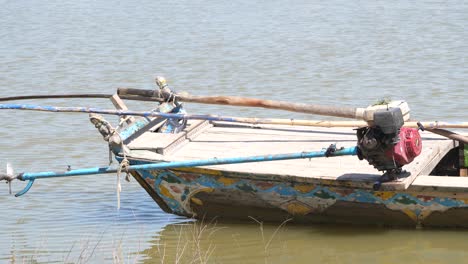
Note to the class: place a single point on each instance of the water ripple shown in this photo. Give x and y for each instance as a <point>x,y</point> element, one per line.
<point>336,52</point>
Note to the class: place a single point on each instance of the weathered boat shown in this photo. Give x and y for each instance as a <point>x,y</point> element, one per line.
<point>243,168</point>
<point>320,190</point>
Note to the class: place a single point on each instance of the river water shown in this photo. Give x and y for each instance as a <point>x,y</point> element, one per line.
<point>337,52</point>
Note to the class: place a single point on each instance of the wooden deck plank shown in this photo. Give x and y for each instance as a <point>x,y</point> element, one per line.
<point>222,142</point>
<point>280,132</point>
<point>432,152</point>
<point>444,183</point>
<point>162,141</point>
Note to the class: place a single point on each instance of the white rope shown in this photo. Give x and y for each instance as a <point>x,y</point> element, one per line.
<point>118,190</point>
<point>122,167</point>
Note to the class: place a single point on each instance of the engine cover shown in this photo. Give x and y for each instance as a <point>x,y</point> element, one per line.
<point>408,148</point>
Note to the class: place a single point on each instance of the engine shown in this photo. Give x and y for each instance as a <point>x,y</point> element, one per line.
<point>386,144</point>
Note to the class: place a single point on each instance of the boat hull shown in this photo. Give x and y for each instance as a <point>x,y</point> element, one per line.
<point>207,193</point>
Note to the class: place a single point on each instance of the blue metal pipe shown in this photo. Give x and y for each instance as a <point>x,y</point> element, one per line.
<point>31,176</point>
<point>46,108</point>
<point>53,174</point>
<point>190,163</point>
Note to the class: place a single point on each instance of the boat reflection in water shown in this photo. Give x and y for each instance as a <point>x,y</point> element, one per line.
<point>201,242</point>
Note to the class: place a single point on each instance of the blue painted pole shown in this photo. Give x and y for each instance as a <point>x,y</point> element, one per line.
<point>56,109</point>
<point>247,120</point>
<point>190,163</point>
<point>31,176</point>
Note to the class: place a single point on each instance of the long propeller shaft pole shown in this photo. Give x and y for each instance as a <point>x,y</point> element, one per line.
<point>337,111</point>
<point>330,152</point>
<point>149,95</point>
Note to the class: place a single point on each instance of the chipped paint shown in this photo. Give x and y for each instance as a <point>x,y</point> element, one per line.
<point>263,185</point>
<point>411,214</point>
<point>196,201</point>
<point>296,199</point>
<point>317,204</point>
<point>132,129</point>
<point>304,188</point>
<point>325,195</point>
<point>297,208</point>
<point>165,192</point>
<point>204,171</point>
<point>227,181</point>
<point>384,195</point>
<point>150,181</point>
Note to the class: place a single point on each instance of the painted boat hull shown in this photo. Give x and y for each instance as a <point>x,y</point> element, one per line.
<point>201,193</point>
<point>264,193</point>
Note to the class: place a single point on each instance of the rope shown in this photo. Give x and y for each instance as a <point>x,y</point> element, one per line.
<point>124,166</point>
<point>110,156</point>
<point>8,176</point>
<point>107,131</point>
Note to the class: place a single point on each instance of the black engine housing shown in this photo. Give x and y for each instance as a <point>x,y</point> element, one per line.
<point>376,140</point>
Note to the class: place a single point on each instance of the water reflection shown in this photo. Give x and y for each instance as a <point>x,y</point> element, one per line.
<point>91,230</point>
<point>202,242</point>
<point>335,52</point>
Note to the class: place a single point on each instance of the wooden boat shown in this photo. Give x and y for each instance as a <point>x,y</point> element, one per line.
<point>236,168</point>
<point>320,190</point>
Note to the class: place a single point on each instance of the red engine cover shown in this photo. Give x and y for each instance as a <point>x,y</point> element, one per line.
<point>408,148</point>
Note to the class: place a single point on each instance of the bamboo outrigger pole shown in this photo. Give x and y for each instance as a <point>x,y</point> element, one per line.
<point>247,120</point>
<point>252,120</point>
<point>430,126</point>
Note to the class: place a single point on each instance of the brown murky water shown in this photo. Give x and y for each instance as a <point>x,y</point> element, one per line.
<point>334,52</point>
